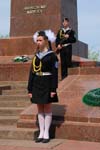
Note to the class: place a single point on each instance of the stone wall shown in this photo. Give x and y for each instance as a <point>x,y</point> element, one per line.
<point>14,72</point>
<point>80,49</point>
<point>26,46</point>
<point>17,46</point>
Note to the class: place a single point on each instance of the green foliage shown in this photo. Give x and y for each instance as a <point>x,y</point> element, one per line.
<point>4,36</point>
<point>94,55</point>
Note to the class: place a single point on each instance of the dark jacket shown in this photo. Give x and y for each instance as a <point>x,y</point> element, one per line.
<point>60,39</point>
<point>49,64</point>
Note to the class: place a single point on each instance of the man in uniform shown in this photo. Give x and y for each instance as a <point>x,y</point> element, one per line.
<point>65,38</point>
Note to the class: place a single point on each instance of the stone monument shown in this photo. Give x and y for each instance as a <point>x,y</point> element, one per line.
<point>28,16</point>
<point>32,15</point>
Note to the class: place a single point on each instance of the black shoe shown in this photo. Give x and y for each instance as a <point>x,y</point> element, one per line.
<point>45,140</point>
<point>39,140</point>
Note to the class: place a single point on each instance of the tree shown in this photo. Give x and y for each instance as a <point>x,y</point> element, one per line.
<point>4,36</point>
<point>94,55</point>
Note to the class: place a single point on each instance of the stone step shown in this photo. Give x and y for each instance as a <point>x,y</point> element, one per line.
<point>19,86</point>
<point>8,120</point>
<point>15,92</point>
<point>15,84</point>
<point>27,144</point>
<point>84,70</point>
<point>54,144</point>
<point>68,129</point>
<point>13,111</point>
<point>4,87</point>
<point>25,123</point>
<point>15,103</point>
<point>12,132</point>
<point>14,97</point>
<point>33,116</point>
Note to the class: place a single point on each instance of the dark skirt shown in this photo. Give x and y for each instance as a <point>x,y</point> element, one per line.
<point>41,90</point>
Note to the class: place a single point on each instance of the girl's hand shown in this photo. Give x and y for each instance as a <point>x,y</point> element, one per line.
<point>30,95</point>
<point>52,94</point>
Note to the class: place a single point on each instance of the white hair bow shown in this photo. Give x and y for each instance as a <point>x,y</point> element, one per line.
<point>50,34</point>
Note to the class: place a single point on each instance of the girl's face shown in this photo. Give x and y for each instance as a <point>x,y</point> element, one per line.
<point>41,42</point>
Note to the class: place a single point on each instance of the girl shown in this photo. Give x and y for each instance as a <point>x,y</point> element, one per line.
<point>43,81</point>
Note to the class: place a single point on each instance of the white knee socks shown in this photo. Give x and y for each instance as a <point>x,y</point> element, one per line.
<point>41,120</point>
<point>44,124</point>
<point>48,119</point>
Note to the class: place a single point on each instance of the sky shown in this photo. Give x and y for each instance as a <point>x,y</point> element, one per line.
<point>88,21</point>
<point>4,17</point>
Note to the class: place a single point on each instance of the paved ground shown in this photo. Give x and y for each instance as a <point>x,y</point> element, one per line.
<point>57,144</point>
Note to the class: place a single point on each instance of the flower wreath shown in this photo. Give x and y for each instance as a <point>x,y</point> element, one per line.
<point>92,97</point>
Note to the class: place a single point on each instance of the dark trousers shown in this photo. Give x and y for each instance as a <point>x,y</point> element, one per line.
<point>66,60</point>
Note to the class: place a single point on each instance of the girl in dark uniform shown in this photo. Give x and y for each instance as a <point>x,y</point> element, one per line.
<point>43,82</point>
